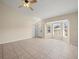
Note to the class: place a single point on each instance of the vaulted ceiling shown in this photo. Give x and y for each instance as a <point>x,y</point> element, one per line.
<point>45,8</point>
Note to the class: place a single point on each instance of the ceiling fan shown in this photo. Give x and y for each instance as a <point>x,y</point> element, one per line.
<point>28,3</point>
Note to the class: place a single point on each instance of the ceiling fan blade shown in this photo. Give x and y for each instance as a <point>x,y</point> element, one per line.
<point>33,1</point>
<point>31,8</point>
<point>20,6</point>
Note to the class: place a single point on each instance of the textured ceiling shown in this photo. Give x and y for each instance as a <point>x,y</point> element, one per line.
<point>45,8</point>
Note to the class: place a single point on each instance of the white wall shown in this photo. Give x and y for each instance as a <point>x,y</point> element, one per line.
<point>13,25</point>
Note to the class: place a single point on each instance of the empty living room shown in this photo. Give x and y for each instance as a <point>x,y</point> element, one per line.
<point>38,29</point>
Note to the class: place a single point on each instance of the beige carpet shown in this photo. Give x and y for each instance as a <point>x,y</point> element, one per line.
<point>38,49</point>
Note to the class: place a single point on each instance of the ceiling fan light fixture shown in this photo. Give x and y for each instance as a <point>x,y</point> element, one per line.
<point>28,3</point>
<point>24,5</point>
